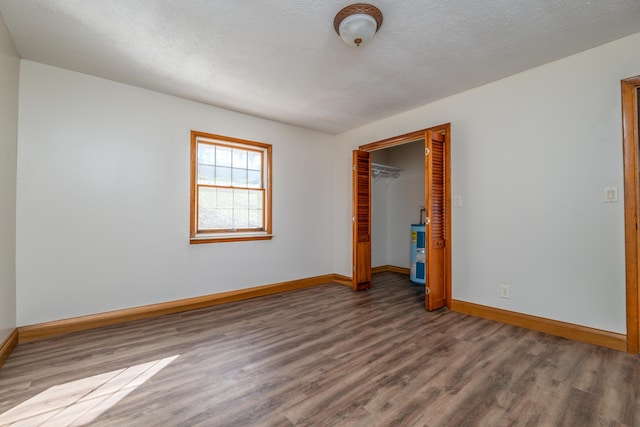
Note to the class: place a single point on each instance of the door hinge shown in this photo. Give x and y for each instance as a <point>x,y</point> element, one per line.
<point>427,291</point>
<point>427,151</point>
<point>353,167</point>
<point>353,219</point>
<point>354,268</point>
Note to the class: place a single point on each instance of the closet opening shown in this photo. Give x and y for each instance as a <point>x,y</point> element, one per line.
<point>401,202</point>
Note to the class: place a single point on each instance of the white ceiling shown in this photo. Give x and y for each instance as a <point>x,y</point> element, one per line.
<point>282,60</point>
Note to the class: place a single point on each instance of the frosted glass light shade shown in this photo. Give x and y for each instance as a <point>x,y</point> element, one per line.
<point>358,29</point>
<point>356,24</point>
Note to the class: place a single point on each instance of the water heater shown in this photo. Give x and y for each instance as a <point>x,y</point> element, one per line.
<point>418,254</point>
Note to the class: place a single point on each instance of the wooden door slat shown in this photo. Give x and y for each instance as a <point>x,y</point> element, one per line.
<point>435,182</point>
<point>362,220</point>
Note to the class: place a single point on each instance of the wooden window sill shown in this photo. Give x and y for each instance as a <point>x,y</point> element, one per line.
<point>229,237</point>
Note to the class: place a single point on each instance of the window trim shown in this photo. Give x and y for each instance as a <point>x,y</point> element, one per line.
<point>229,236</point>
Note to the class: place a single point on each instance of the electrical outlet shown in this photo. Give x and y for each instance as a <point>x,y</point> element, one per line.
<point>505,291</point>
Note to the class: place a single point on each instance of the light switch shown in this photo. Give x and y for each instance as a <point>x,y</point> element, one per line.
<point>611,194</point>
<point>457,201</point>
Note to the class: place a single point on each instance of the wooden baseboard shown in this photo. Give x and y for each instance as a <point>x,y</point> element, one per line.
<point>7,346</point>
<point>343,280</point>
<point>392,268</point>
<point>541,324</point>
<point>64,326</point>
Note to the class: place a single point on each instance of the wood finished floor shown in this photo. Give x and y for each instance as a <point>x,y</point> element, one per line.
<point>320,356</point>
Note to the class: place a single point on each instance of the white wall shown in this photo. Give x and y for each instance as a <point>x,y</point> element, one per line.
<point>9,75</point>
<point>103,199</point>
<point>530,157</point>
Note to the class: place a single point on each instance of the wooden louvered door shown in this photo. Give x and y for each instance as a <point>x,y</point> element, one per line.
<point>361,220</point>
<point>436,153</point>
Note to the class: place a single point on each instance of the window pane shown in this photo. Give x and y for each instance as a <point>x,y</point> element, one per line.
<point>239,177</point>
<point>240,218</point>
<point>223,156</point>
<point>206,208</point>
<point>254,179</point>
<point>206,154</point>
<point>254,160</point>
<point>255,218</point>
<point>239,158</point>
<point>255,199</point>
<point>206,174</point>
<point>226,208</point>
<point>223,176</point>
<point>224,198</point>
<point>212,211</point>
<point>240,199</point>
<point>224,219</point>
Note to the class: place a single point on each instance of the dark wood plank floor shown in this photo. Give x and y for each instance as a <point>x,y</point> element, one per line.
<point>320,356</point>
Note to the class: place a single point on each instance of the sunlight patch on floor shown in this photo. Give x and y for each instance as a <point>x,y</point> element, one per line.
<point>82,401</point>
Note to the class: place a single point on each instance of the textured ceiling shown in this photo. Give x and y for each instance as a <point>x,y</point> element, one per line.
<point>282,60</point>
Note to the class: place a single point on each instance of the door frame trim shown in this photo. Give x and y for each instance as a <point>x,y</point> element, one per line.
<point>414,136</point>
<point>630,147</point>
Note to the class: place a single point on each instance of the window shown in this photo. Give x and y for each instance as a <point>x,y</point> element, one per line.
<point>230,189</point>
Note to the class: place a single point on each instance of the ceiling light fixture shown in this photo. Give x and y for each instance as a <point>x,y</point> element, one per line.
<point>356,24</point>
